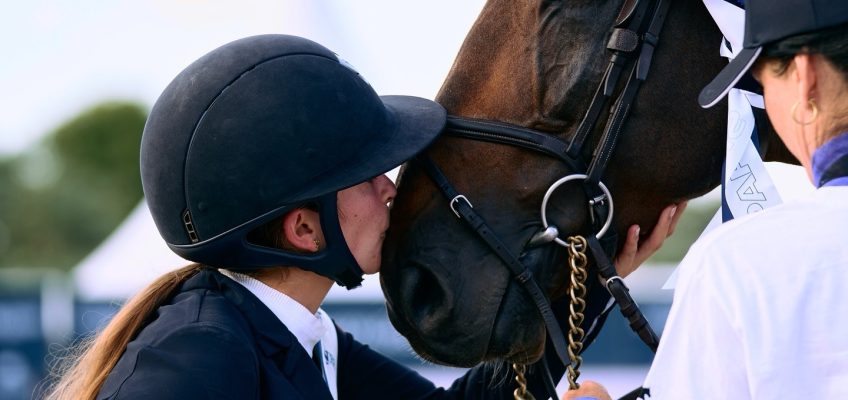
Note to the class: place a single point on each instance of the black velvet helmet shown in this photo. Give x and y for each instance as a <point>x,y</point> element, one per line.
<point>263,125</point>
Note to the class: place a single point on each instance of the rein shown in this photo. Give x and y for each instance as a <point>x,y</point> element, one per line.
<point>633,39</point>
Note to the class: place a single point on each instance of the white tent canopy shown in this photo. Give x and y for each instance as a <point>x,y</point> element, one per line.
<point>129,259</point>
<point>134,255</point>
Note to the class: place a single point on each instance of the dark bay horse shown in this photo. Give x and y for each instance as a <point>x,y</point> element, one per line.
<point>536,63</point>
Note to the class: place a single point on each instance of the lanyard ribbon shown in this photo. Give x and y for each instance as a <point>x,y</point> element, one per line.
<point>746,186</point>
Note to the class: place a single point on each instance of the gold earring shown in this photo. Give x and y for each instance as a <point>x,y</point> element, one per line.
<point>317,244</point>
<point>795,116</point>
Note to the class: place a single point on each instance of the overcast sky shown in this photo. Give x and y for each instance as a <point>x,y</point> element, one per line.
<point>59,57</point>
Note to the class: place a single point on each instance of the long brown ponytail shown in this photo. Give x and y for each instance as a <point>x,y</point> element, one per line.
<point>80,376</point>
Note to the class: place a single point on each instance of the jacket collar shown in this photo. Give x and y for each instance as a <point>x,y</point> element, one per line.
<point>273,338</point>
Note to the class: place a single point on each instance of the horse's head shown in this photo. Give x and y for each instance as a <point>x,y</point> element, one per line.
<point>536,64</point>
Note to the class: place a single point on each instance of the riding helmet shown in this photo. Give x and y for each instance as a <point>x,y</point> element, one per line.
<point>263,125</point>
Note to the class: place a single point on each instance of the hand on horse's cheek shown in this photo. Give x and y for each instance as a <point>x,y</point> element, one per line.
<point>633,254</point>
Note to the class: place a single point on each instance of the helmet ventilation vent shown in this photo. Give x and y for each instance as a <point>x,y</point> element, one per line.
<point>189,226</point>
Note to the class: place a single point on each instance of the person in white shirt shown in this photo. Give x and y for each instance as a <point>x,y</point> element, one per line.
<point>758,311</point>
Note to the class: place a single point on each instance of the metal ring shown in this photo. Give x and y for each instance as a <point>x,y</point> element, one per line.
<point>570,178</point>
<point>453,204</point>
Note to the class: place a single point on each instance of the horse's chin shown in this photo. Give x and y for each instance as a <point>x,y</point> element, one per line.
<point>438,351</point>
<point>445,326</point>
<point>517,337</point>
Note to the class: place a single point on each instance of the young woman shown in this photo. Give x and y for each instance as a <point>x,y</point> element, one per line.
<point>263,162</point>
<point>759,308</point>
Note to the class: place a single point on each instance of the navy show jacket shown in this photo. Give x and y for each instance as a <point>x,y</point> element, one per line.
<point>216,340</point>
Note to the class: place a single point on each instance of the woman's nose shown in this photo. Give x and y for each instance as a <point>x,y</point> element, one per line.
<point>386,188</point>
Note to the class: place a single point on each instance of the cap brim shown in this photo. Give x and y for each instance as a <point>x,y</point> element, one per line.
<point>727,78</point>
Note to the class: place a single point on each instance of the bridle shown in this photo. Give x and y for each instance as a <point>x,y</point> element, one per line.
<point>633,38</point>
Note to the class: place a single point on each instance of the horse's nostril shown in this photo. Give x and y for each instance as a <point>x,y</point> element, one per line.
<point>427,297</point>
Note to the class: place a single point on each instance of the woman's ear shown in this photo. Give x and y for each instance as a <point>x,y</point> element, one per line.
<point>805,76</point>
<point>302,229</point>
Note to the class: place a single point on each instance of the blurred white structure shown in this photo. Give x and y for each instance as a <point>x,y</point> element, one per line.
<point>129,259</point>
<point>134,255</point>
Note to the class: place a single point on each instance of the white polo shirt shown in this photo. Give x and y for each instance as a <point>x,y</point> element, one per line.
<point>761,308</point>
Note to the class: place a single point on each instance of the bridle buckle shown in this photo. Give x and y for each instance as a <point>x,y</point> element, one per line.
<point>456,200</point>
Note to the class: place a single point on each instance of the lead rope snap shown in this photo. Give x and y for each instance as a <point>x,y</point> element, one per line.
<point>577,262</point>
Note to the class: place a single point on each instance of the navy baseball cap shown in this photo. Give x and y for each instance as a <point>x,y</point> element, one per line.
<point>767,21</point>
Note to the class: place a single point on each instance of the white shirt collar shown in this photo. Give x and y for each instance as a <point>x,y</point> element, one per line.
<point>308,328</point>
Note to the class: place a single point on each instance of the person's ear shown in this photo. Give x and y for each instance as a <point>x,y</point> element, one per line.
<point>805,77</point>
<point>302,229</point>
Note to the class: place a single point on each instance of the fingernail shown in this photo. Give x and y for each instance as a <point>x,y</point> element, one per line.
<point>637,232</point>
<point>673,210</point>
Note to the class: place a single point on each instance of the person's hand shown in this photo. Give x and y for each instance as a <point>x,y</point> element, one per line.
<point>633,255</point>
<point>589,390</point>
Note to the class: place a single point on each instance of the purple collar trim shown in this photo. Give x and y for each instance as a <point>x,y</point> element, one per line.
<point>833,150</point>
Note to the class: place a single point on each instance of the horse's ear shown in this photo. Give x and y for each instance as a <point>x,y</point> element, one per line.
<point>626,12</point>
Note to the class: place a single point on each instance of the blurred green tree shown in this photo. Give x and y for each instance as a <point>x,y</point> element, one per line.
<point>64,195</point>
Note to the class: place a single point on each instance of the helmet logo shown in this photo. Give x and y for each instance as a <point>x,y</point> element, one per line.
<point>350,66</point>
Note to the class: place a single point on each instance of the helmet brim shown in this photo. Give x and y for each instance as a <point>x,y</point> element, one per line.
<point>413,123</point>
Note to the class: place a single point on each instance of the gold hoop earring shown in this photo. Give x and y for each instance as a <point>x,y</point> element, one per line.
<point>815,112</point>
<point>317,244</point>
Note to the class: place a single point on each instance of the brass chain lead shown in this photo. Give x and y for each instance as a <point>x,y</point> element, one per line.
<point>577,262</point>
<point>521,392</point>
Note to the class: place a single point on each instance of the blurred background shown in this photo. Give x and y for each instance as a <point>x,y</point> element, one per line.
<point>78,79</point>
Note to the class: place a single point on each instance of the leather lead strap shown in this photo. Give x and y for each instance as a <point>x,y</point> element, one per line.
<point>619,291</point>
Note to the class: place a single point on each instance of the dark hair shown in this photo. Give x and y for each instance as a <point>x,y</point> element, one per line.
<point>831,43</point>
